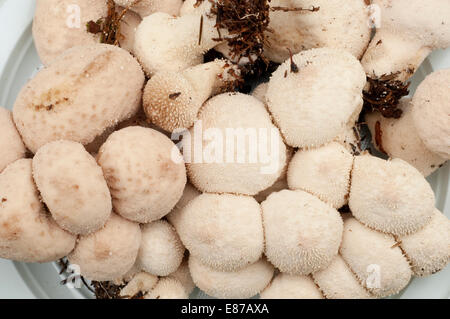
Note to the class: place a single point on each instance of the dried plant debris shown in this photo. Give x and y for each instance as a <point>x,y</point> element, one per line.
<point>384,95</point>
<point>109,290</point>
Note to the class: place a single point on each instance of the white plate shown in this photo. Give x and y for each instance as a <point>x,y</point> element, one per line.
<point>19,62</point>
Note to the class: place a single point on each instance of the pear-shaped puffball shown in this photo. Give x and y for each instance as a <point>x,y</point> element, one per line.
<point>27,232</point>
<point>224,232</point>
<point>338,282</point>
<point>323,172</point>
<point>245,283</point>
<point>72,186</point>
<point>11,145</point>
<point>303,233</point>
<point>236,148</point>
<point>431,111</point>
<point>428,250</point>
<point>145,179</point>
<point>85,91</point>
<point>398,138</point>
<point>161,250</point>
<point>285,286</point>
<point>375,259</point>
<point>110,252</point>
<point>390,196</point>
<point>147,7</point>
<point>183,275</point>
<point>167,288</point>
<point>313,97</point>
<point>189,193</point>
<point>141,283</point>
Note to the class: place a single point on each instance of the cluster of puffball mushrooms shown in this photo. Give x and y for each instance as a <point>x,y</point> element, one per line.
<point>87,167</point>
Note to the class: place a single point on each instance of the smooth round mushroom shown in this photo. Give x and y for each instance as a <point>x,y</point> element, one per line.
<point>147,7</point>
<point>109,253</point>
<point>241,284</point>
<point>390,196</point>
<point>302,233</point>
<point>375,259</point>
<point>144,179</point>
<point>27,232</point>
<point>72,186</point>
<point>183,275</point>
<point>285,286</point>
<point>313,97</point>
<point>235,147</point>
<point>161,250</point>
<point>85,91</point>
<point>224,232</point>
<point>11,144</point>
<point>323,172</point>
<point>140,283</point>
<point>167,288</point>
<point>428,250</point>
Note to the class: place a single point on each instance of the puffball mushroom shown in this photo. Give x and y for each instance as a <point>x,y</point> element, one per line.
<point>285,286</point>
<point>375,259</point>
<point>323,172</point>
<point>85,91</point>
<point>407,32</point>
<point>242,151</point>
<point>147,7</point>
<point>302,233</point>
<point>428,250</point>
<point>72,186</point>
<point>172,100</point>
<point>27,232</point>
<point>390,196</point>
<point>245,283</point>
<point>143,177</point>
<point>128,27</point>
<point>167,288</point>
<point>140,283</point>
<point>161,250</point>
<point>183,275</point>
<point>398,138</point>
<point>314,96</point>
<point>260,92</point>
<point>330,26</point>
<point>11,144</point>
<point>224,232</point>
<point>108,253</point>
<point>189,193</point>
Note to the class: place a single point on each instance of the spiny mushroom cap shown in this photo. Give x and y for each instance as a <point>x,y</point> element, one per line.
<point>11,144</point>
<point>428,250</point>
<point>375,259</point>
<point>183,275</point>
<point>167,288</point>
<point>161,250</point>
<point>338,282</point>
<point>398,138</point>
<point>189,193</point>
<point>141,282</point>
<point>313,105</point>
<point>241,284</point>
<point>108,253</point>
<point>431,112</point>
<point>27,233</point>
<point>390,196</point>
<point>328,27</point>
<point>72,186</point>
<point>323,172</point>
<point>147,7</point>
<point>302,233</point>
<point>143,177</point>
<point>224,232</point>
<point>285,286</point>
<point>242,120</point>
<point>85,91</point>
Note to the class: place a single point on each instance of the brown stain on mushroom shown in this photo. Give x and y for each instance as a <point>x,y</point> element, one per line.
<point>10,228</point>
<point>102,250</point>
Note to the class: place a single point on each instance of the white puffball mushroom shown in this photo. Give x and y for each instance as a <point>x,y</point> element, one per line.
<point>428,250</point>
<point>323,172</point>
<point>241,284</point>
<point>189,193</point>
<point>72,186</point>
<point>27,232</point>
<point>285,286</point>
<point>161,250</point>
<point>147,7</point>
<point>144,179</point>
<point>167,288</point>
<point>110,252</point>
<point>11,145</point>
<point>183,275</point>
<point>140,283</point>
<point>338,282</point>
<point>79,96</point>
<point>375,259</point>
<point>390,196</point>
<point>224,232</point>
<point>302,233</point>
<point>313,98</point>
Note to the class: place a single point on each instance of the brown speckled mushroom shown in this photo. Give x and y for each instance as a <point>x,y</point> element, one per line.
<point>285,286</point>
<point>11,145</point>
